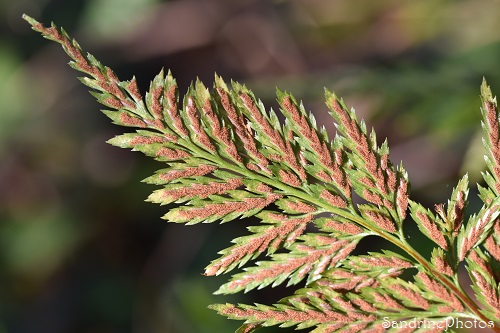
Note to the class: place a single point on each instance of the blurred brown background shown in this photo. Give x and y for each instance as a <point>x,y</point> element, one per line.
<point>79,249</point>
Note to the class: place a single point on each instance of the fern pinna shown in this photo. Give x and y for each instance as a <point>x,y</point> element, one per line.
<point>226,157</point>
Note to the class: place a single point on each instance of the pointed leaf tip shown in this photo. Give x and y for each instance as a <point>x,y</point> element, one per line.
<point>486,94</point>
<point>29,19</point>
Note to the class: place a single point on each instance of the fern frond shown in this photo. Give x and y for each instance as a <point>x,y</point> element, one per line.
<point>226,157</point>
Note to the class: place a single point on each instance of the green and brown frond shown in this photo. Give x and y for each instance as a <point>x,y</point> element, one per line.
<point>224,156</point>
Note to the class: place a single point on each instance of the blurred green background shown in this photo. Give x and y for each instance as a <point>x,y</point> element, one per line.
<point>79,249</point>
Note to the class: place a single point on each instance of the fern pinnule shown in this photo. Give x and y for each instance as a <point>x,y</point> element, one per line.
<point>226,157</point>
<point>203,188</point>
<point>478,229</point>
<point>409,294</point>
<point>454,215</point>
<point>492,243</point>
<point>429,224</point>
<point>364,271</point>
<point>338,226</point>
<point>441,261</point>
<point>486,284</point>
<point>491,140</point>
<point>434,290</point>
